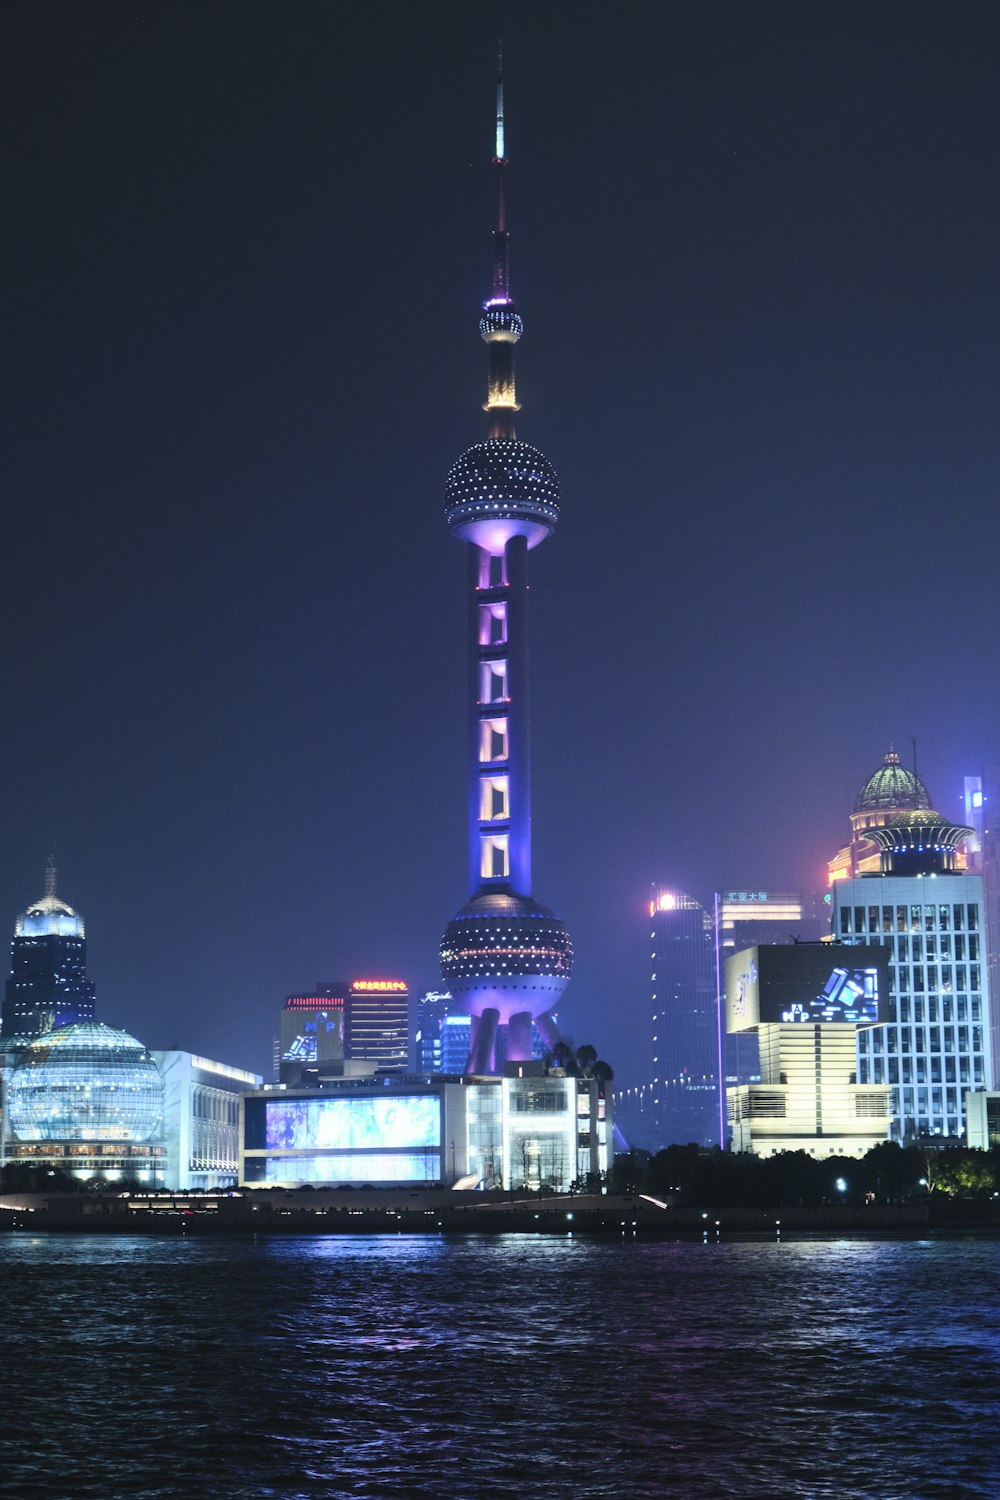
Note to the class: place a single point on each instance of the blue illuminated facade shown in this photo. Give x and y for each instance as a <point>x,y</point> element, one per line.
<point>505,957</point>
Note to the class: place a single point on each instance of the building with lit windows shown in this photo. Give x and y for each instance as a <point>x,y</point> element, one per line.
<point>927,909</point>
<point>377,1024</point>
<point>428,1016</point>
<point>526,1130</point>
<point>748,917</point>
<point>505,957</point>
<point>48,984</point>
<point>934,1045</point>
<point>442,1040</point>
<point>201,1119</point>
<point>807,1002</point>
<point>456,1035</point>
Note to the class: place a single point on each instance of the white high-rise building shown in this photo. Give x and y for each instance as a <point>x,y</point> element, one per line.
<point>935,1044</point>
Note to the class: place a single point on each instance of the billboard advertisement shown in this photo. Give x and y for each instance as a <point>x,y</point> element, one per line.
<point>784,984</point>
<point>312,1036</point>
<point>362,1124</point>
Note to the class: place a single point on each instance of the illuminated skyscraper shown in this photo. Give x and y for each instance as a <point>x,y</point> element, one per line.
<point>505,957</point>
<point>685,1020</point>
<point>924,906</point>
<point>749,917</point>
<point>377,1024</point>
<point>48,985</point>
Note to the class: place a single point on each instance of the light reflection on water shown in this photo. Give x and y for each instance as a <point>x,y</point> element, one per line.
<point>510,1367</point>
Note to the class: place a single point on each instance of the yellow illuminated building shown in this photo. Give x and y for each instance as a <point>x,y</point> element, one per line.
<point>806,1003</point>
<point>808,1098</point>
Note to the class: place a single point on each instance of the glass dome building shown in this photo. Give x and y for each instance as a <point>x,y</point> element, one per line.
<point>891,788</point>
<point>86,1082</point>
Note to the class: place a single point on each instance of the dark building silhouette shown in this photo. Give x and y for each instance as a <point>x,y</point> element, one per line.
<point>685,1018</point>
<point>310,1032</point>
<point>683,1102</point>
<point>48,984</point>
<point>679,1101</point>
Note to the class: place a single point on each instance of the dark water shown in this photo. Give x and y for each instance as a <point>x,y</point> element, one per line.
<point>507,1367</point>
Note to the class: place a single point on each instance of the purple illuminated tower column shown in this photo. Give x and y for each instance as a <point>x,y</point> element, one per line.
<point>505,957</point>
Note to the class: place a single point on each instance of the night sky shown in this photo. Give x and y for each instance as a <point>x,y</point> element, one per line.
<point>757,251</point>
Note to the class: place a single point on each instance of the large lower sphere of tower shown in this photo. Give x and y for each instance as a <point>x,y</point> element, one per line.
<point>507,959</point>
<point>500,489</point>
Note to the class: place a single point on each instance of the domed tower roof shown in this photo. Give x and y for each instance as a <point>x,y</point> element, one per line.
<point>892,788</point>
<point>49,917</point>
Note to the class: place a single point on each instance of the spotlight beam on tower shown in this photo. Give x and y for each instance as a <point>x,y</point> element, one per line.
<point>505,957</point>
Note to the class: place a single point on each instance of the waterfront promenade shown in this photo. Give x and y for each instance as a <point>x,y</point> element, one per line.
<point>436,1211</point>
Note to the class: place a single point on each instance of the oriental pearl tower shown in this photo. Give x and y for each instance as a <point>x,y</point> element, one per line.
<point>505,957</point>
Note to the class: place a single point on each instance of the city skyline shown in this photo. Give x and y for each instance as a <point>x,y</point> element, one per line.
<point>758,249</point>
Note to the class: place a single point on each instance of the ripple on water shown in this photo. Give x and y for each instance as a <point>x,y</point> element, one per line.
<point>507,1367</point>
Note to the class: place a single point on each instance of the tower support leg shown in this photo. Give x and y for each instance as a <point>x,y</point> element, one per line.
<point>519,1037</point>
<point>547,1029</point>
<point>484,1031</point>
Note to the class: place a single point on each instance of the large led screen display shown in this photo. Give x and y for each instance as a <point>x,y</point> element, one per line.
<point>356,1167</point>
<point>364,1124</point>
<point>789,983</point>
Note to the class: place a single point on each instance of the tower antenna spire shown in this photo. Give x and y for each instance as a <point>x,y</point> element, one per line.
<point>499,156</point>
<point>50,877</point>
<point>501,325</point>
<point>501,262</point>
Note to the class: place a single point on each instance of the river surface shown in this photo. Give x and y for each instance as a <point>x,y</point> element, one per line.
<point>501,1367</point>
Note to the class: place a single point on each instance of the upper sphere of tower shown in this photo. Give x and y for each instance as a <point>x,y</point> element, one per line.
<point>892,788</point>
<point>501,324</point>
<point>499,489</point>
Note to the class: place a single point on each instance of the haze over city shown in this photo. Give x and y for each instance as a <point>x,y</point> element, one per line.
<point>755,250</point>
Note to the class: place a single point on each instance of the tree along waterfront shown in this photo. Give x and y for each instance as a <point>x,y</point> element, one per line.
<point>889,1174</point>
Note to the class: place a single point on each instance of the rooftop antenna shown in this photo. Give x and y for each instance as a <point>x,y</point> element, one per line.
<point>50,878</point>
